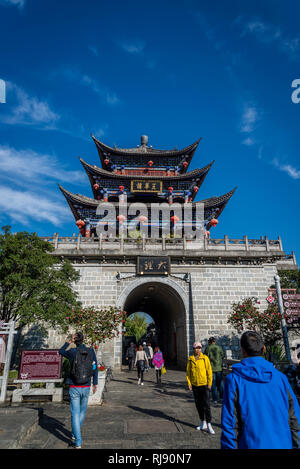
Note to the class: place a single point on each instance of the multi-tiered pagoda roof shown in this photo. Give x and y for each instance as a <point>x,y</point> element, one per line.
<point>145,175</point>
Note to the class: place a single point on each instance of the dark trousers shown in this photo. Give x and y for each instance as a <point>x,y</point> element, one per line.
<point>140,369</point>
<point>201,396</point>
<point>158,376</point>
<point>131,363</point>
<point>141,374</point>
<point>217,385</point>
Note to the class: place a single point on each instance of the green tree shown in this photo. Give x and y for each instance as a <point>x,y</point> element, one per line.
<point>136,325</point>
<point>34,289</point>
<point>290,279</point>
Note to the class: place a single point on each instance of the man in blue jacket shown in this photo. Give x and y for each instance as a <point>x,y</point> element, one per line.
<point>260,410</point>
<point>79,393</point>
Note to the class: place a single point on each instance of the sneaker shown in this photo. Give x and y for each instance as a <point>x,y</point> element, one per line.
<point>210,429</point>
<point>77,447</point>
<point>203,426</point>
<point>142,384</point>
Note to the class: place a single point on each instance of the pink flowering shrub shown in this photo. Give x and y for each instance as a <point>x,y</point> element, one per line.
<point>246,315</point>
<point>97,325</point>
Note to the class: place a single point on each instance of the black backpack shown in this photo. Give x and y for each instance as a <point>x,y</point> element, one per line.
<point>82,366</point>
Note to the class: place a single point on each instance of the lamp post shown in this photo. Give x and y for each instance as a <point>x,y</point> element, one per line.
<point>283,321</point>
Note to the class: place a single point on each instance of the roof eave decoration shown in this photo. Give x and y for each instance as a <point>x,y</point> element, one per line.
<point>141,150</point>
<point>107,174</point>
<point>219,203</point>
<point>88,202</point>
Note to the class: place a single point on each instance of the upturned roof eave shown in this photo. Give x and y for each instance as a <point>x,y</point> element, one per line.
<point>135,151</point>
<point>107,174</point>
<point>91,203</point>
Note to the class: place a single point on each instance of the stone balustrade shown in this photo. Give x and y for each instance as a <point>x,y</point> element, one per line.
<point>143,243</point>
<point>73,246</point>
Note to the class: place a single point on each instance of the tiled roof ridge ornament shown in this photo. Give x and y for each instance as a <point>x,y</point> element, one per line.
<point>144,143</point>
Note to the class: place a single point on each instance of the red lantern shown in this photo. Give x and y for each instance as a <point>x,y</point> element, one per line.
<point>196,188</point>
<point>174,219</point>
<point>121,219</point>
<point>142,219</point>
<point>214,222</point>
<point>96,187</point>
<point>106,161</point>
<point>150,163</point>
<point>170,189</point>
<point>184,164</point>
<point>121,188</point>
<point>80,223</point>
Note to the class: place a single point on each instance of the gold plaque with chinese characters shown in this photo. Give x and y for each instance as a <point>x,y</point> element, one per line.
<point>153,265</point>
<point>145,186</point>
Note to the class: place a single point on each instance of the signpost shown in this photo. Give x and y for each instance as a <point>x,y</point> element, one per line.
<point>7,329</point>
<point>283,321</point>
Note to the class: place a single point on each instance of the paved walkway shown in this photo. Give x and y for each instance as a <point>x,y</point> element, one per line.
<point>131,417</point>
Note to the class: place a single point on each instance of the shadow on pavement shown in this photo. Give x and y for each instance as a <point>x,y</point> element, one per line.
<point>56,428</point>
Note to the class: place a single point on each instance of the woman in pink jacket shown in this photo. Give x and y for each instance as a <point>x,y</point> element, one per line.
<point>158,363</point>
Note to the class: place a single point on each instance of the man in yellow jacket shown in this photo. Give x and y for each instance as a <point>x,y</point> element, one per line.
<point>199,378</point>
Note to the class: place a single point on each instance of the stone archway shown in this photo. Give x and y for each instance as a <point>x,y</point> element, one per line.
<point>167,303</point>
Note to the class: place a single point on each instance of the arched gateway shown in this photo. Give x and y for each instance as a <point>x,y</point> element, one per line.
<point>167,303</point>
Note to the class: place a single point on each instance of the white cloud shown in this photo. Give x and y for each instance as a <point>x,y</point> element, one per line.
<point>18,3</point>
<point>135,47</point>
<point>102,91</point>
<point>249,118</point>
<point>268,33</point>
<point>249,141</point>
<point>24,167</point>
<point>287,168</point>
<point>26,186</point>
<point>24,206</point>
<point>27,109</point>
<point>94,50</point>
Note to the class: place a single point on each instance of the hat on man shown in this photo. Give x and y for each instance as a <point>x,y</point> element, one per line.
<point>197,344</point>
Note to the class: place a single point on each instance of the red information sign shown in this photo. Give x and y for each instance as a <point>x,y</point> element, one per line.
<point>291,304</point>
<point>40,364</point>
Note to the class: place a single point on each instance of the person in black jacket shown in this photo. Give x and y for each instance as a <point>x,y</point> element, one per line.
<point>130,356</point>
<point>79,393</point>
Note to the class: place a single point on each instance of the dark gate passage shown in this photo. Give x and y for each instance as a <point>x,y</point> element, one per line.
<point>167,309</point>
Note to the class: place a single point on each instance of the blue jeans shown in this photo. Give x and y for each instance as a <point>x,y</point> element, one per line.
<point>217,385</point>
<point>78,402</point>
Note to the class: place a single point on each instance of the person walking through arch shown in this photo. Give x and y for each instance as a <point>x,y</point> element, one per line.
<point>130,356</point>
<point>199,378</point>
<point>150,357</point>
<point>141,361</point>
<point>158,362</point>
<point>147,352</point>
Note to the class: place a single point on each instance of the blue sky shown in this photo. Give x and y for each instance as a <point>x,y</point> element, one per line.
<point>174,70</point>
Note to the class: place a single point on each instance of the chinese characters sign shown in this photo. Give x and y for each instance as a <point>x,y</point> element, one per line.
<point>40,364</point>
<point>146,186</point>
<point>291,303</point>
<point>153,266</point>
